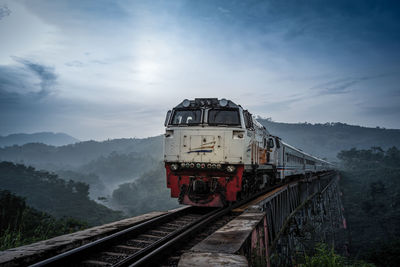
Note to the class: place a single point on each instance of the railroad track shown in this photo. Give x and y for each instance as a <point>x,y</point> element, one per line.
<point>133,244</point>
<point>151,242</point>
<point>143,244</point>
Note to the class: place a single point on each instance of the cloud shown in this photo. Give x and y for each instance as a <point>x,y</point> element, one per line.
<point>4,11</point>
<point>382,110</point>
<point>277,105</point>
<point>343,86</point>
<point>123,63</point>
<point>45,73</point>
<point>28,104</point>
<point>74,63</point>
<point>21,87</point>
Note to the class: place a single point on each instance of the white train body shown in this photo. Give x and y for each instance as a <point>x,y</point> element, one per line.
<point>211,140</point>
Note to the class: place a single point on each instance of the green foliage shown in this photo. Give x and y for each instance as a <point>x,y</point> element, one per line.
<point>148,193</point>
<point>371,185</point>
<point>45,191</point>
<point>21,224</point>
<point>326,257</point>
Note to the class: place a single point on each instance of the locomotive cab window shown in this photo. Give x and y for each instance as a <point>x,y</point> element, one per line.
<point>228,117</point>
<point>247,119</point>
<point>278,145</point>
<point>186,117</point>
<point>167,118</point>
<point>270,143</point>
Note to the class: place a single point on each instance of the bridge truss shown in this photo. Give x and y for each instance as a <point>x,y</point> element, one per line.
<point>296,218</point>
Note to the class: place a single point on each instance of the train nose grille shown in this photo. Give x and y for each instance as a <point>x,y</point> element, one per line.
<point>200,187</point>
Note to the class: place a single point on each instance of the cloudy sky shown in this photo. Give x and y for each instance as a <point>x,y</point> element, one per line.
<point>107,69</point>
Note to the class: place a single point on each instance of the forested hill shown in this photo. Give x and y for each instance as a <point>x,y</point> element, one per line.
<point>327,140</point>
<point>370,183</point>
<point>49,138</point>
<point>46,192</point>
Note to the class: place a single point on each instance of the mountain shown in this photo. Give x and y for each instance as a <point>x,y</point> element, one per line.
<point>49,138</point>
<point>327,140</point>
<point>75,155</point>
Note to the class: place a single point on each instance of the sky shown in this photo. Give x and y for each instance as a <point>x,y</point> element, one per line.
<point>112,69</point>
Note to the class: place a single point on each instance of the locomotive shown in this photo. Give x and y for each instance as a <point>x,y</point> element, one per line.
<point>216,153</point>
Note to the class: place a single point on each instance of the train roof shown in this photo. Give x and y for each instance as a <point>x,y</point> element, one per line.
<point>207,103</point>
<point>304,153</point>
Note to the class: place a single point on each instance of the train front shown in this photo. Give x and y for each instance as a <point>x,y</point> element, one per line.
<point>204,150</point>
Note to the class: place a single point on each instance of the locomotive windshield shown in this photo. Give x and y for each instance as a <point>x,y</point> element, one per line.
<point>223,117</point>
<point>186,117</point>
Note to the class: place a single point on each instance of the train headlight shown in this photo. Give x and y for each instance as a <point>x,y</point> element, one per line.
<point>186,103</point>
<point>230,168</point>
<point>174,166</point>
<point>219,166</point>
<point>183,165</point>
<point>213,166</point>
<point>209,165</point>
<point>223,102</point>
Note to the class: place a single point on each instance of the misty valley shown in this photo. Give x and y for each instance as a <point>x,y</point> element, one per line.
<point>51,190</point>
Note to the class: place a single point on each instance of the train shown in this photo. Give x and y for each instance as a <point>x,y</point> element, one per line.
<point>217,153</point>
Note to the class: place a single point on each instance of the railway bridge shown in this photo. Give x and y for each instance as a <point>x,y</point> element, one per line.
<point>276,228</point>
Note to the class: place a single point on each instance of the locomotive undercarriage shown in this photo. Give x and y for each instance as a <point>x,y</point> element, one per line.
<point>205,187</point>
<point>202,191</point>
<point>255,181</point>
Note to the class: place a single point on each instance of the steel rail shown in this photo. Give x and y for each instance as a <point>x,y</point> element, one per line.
<point>64,257</point>
<point>156,253</point>
<point>170,239</point>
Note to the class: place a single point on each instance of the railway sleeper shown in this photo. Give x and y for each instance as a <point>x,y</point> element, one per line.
<point>159,232</point>
<point>127,248</point>
<point>116,254</point>
<point>143,241</point>
<point>148,236</point>
<point>94,263</point>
